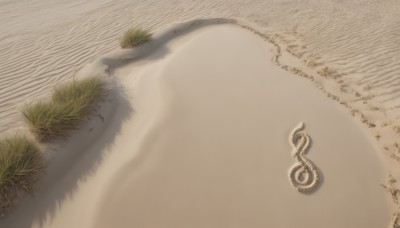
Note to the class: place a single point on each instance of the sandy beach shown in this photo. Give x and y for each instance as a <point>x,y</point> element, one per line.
<point>211,123</point>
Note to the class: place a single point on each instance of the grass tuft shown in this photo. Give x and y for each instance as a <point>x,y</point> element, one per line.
<point>134,37</point>
<point>70,104</point>
<point>20,164</point>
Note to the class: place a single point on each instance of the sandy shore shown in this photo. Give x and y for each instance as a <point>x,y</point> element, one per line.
<point>195,132</point>
<point>207,145</point>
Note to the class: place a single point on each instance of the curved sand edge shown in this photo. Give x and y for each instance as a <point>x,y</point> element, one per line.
<point>83,190</point>
<point>218,155</point>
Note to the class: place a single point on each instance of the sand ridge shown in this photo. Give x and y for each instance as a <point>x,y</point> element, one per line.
<point>308,46</point>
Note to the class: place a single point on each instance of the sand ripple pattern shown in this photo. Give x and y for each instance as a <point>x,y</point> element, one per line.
<point>303,175</point>
<point>43,42</point>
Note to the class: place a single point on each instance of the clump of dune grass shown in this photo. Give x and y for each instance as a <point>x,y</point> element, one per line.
<point>20,164</point>
<point>69,105</point>
<point>82,92</point>
<point>134,37</point>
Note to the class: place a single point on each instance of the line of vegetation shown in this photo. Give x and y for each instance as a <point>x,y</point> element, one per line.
<point>20,164</point>
<point>135,37</point>
<point>21,160</point>
<point>69,105</point>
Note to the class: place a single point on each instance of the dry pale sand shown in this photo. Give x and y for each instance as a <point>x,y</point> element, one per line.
<point>197,135</point>
<point>218,155</point>
<point>164,109</point>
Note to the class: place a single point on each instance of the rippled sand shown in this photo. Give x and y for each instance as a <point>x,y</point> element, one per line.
<point>348,50</point>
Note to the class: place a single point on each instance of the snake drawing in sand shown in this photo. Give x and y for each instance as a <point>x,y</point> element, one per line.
<point>303,175</point>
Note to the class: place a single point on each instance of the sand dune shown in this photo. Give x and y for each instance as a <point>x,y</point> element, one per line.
<point>208,146</point>
<point>349,50</point>
<point>219,156</point>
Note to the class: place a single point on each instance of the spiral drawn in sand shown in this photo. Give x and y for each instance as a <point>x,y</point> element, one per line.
<point>303,175</point>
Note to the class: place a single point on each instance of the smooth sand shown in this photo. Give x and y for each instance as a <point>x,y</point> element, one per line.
<point>197,135</point>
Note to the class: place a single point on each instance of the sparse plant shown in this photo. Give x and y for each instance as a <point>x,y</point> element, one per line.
<point>69,105</point>
<point>135,37</point>
<point>20,164</point>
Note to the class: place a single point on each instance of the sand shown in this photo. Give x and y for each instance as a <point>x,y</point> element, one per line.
<point>228,123</point>
<point>219,156</point>
<point>207,145</point>
<point>43,43</point>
